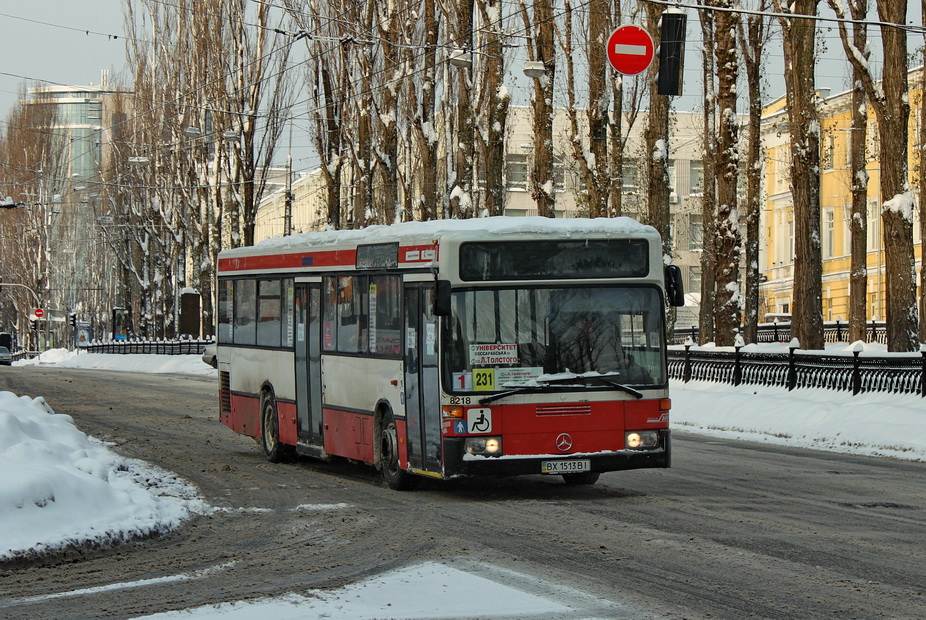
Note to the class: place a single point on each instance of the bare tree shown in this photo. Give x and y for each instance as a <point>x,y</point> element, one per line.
<point>753,36</point>
<point>891,103</point>
<point>922,142</point>
<point>589,155</point>
<point>541,48</point>
<point>493,102</point>
<point>858,134</point>
<point>30,178</point>
<point>461,129</point>
<point>727,242</point>
<point>218,72</point>
<point>798,35</point>
<point>423,101</point>
<point>709,193</point>
<point>327,81</point>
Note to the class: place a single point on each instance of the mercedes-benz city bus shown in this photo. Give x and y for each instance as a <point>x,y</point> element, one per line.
<point>493,346</point>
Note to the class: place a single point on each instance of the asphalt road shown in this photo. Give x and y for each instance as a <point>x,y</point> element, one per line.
<point>733,530</point>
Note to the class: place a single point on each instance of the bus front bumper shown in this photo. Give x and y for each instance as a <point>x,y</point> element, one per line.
<point>458,463</point>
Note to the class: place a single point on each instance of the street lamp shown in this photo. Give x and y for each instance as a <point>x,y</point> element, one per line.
<point>461,58</point>
<point>535,69</point>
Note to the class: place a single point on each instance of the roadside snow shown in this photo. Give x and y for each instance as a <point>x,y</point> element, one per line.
<point>62,488</point>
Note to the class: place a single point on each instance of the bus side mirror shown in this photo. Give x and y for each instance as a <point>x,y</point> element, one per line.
<point>675,290</point>
<point>442,298</point>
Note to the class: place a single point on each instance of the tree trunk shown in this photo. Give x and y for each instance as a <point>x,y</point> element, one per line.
<point>708,196</point>
<point>858,224</point>
<point>543,49</point>
<point>496,109</point>
<point>727,244</point>
<point>799,41</point>
<point>897,210</point>
<point>753,38</point>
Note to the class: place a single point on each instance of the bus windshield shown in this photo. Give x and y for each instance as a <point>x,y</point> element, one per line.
<point>501,338</point>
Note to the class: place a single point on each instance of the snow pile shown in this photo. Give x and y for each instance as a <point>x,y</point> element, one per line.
<point>61,488</point>
<point>159,364</point>
<point>870,424</point>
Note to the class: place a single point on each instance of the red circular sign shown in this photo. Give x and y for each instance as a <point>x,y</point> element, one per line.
<point>630,50</point>
<point>39,313</point>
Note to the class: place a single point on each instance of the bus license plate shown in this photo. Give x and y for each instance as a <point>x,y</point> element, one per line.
<point>565,467</point>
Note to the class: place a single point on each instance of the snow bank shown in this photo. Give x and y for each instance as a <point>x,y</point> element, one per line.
<point>61,488</point>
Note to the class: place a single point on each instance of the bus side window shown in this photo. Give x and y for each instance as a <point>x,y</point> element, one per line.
<point>245,311</point>
<point>385,315</point>
<point>352,320</point>
<point>269,317</point>
<point>226,310</point>
<point>329,312</point>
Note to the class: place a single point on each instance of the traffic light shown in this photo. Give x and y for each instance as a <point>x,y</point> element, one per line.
<point>72,317</point>
<point>35,325</point>
<point>671,53</point>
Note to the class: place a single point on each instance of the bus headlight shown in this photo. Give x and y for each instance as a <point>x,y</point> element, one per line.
<point>485,446</point>
<point>641,440</point>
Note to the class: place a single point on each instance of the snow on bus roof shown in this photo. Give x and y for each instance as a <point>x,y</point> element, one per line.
<point>433,229</point>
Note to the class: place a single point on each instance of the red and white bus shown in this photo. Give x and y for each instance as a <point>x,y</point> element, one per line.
<point>495,346</point>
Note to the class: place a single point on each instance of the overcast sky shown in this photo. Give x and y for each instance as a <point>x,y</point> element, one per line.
<point>48,41</point>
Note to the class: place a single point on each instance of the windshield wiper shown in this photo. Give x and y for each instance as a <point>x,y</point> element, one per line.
<point>603,379</point>
<point>561,382</point>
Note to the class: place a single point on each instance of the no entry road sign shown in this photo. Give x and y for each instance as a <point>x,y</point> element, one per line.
<point>630,50</point>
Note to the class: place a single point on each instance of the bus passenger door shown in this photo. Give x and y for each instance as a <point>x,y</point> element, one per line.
<point>422,379</point>
<point>308,364</point>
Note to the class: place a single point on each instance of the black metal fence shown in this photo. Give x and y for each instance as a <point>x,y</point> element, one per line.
<point>905,374</point>
<point>150,347</point>
<point>833,331</point>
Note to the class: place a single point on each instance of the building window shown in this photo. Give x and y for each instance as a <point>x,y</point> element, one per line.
<point>631,174</point>
<point>783,168</point>
<point>696,177</point>
<point>517,171</point>
<point>695,232</point>
<point>874,142</point>
<point>694,279</point>
<point>829,232</point>
<point>874,226</point>
<point>828,151</point>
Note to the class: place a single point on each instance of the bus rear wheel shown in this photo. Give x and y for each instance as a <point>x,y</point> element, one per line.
<point>586,477</point>
<point>275,451</point>
<point>395,477</point>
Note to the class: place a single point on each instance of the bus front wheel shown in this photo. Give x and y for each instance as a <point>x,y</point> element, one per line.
<point>396,478</point>
<point>275,451</point>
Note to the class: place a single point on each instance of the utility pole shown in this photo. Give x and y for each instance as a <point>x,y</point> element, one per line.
<point>288,204</point>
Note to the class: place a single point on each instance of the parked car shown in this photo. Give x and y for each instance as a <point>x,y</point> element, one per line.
<point>209,356</point>
<point>6,358</point>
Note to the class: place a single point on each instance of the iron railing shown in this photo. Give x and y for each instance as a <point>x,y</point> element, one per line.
<point>897,373</point>
<point>149,347</point>
<point>833,331</point>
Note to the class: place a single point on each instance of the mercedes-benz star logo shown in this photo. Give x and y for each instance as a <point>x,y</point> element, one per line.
<point>564,442</point>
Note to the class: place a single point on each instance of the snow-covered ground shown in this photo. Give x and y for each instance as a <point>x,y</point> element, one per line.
<point>61,487</point>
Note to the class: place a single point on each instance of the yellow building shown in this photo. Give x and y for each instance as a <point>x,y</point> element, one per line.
<point>777,259</point>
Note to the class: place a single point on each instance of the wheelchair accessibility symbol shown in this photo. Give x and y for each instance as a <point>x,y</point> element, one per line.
<point>479,420</point>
